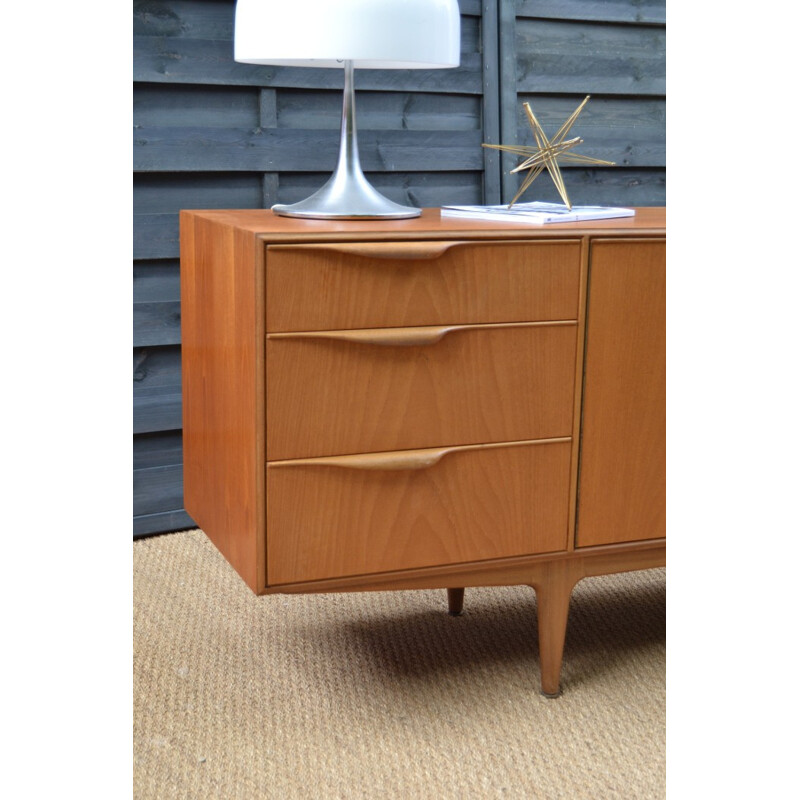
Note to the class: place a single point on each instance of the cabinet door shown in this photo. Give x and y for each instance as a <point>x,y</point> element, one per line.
<point>622,466</point>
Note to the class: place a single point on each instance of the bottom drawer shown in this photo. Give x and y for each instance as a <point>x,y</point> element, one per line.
<point>355,515</point>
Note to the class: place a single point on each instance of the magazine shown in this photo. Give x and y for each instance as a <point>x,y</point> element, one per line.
<point>536,213</point>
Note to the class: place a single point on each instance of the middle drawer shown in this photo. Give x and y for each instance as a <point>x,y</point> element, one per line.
<point>369,390</point>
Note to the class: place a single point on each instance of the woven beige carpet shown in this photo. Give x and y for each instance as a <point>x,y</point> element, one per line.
<point>384,695</point>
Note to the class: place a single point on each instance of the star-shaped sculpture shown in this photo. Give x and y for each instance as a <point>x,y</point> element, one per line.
<point>547,153</point>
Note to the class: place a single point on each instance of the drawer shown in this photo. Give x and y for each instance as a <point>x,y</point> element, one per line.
<point>394,284</point>
<point>353,515</point>
<point>338,392</point>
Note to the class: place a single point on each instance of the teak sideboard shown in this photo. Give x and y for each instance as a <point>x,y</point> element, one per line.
<point>426,403</point>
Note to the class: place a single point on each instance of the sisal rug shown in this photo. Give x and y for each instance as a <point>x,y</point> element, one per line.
<point>384,695</point>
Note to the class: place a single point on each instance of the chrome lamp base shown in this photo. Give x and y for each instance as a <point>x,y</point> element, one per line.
<point>347,194</point>
<point>347,199</point>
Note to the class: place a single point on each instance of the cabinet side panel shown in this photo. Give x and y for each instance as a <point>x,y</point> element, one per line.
<point>622,465</point>
<point>222,384</point>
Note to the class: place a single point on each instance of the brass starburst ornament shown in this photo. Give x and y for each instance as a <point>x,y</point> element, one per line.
<point>548,152</point>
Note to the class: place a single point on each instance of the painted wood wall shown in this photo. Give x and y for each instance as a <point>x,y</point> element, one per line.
<point>211,133</point>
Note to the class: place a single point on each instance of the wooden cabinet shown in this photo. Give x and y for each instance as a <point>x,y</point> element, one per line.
<point>425,403</point>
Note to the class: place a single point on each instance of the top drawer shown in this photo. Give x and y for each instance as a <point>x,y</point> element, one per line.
<point>395,284</point>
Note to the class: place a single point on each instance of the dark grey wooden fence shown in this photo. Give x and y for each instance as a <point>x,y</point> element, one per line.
<point>554,53</point>
<point>211,133</point>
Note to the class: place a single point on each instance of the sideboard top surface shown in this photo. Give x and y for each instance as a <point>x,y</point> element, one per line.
<point>648,221</point>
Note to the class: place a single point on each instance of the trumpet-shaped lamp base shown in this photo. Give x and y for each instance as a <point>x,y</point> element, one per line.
<point>347,194</point>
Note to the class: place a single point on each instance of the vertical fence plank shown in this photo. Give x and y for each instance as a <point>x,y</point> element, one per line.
<point>508,95</point>
<point>492,78</point>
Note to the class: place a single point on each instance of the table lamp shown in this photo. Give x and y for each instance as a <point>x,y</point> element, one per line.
<point>348,34</point>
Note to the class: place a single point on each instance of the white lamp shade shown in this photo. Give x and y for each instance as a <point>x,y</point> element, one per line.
<point>373,34</point>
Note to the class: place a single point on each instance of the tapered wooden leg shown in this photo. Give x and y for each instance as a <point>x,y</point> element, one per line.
<point>455,602</point>
<point>553,591</point>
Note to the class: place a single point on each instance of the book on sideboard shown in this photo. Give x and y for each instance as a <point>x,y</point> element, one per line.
<point>536,213</point>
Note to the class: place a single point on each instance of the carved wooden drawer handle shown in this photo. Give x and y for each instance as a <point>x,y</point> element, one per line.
<point>401,459</point>
<point>398,460</point>
<point>405,337</point>
<point>394,250</point>
<point>391,337</point>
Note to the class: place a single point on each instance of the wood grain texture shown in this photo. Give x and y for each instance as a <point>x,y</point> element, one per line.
<point>430,225</point>
<point>323,289</point>
<point>195,148</point>
<point>492,76</point>
<point>609,186</point>
<point>380,111</point>
<point>622,472</point>
<point>175,519</point>
<point>222,365</point>
<point>634,11</point>
<point>158,483</point>
<point>156,303</point>
<point>519,570</point>
<point>209,62</point>
<point>157,450</point>
<point>328,395</point>
<point>576,57</point>
<point>156,389</point>
<point>160,106</point>
<point>578,394</point>
<point>156,323</point>
<point>473,504</point>
<point>157,489</point>
<point>553,585</point>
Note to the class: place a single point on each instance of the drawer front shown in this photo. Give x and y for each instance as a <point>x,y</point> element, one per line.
<point>393,284</point>
<point>352,515</point>
<point>379,389</point>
